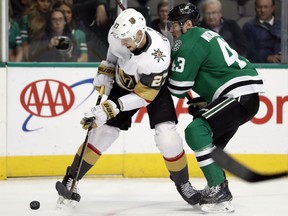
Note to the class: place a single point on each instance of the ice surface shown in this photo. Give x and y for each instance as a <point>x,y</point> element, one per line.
<point>117,196</point>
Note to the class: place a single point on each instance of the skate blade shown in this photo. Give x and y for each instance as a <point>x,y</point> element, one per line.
<point>197,206</point>
<point>224,207</point>
<point>65,203</point>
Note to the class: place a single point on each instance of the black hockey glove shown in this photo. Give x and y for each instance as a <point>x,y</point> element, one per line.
<point>195,104</point>
<point>88,122</point>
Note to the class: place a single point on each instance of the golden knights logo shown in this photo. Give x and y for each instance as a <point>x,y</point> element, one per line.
<point>128,81</point>
<point>158,54</point>
<point>132,20</point>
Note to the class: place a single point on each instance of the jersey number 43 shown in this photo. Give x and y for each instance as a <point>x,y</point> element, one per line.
<point>230,56</point>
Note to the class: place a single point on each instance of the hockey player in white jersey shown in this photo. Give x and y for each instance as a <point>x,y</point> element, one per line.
<point>134,75</point>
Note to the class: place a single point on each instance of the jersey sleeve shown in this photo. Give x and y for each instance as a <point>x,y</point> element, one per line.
<point>14,36</point>
<point>186,61</point>
<point>111,58</point>
<point>82,42</point>
<point>24,26</point>
<point>153,68</point>
<point>149,85</point>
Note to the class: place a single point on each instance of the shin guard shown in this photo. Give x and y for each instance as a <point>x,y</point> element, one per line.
<point>90,158</point>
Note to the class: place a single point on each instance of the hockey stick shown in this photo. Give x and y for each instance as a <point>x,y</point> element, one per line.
<point>234,167</point>
<point>120,5</point>
<point>228,163</point>
<point>60,187</point>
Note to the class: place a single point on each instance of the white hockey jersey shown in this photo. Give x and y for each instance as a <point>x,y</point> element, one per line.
<point>145,73</point>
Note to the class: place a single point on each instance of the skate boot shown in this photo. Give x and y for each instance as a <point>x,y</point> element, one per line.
<point>66,195</point>
<point>189,193</point>
<point>217,199</point>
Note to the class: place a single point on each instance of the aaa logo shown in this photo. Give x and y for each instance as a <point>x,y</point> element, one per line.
<point>47,98</point>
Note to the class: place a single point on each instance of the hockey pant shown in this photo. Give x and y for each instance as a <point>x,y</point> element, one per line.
<point>167,140</point>
<point>214,126</point>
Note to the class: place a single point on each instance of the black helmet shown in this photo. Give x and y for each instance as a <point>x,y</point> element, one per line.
<point>184,12</point>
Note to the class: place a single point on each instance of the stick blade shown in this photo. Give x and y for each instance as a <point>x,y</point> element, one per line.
<point>234,167</point>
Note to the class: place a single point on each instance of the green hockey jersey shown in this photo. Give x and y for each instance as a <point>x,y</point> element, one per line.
<point>204,62</point>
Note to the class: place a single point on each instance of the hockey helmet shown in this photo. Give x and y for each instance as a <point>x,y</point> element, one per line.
<point>128,23</point>
<point>184,12</point>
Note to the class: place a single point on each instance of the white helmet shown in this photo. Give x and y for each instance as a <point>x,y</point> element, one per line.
<point>128,23</point>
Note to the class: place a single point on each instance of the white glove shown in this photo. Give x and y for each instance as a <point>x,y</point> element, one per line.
<point>100,114</point>
<point>102,79</point>
<point>104,76</point>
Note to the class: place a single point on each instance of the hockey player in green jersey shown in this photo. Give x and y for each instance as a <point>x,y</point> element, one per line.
<point>228,86</point>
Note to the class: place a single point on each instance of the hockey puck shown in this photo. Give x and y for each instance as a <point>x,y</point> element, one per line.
<point>34,205</point>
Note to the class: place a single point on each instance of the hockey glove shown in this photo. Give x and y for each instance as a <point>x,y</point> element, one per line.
<point>104,76</point>
<point>99,114</point>
<point>195,104</point>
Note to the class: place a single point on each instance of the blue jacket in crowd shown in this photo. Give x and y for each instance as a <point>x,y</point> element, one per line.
<point>262,40</point>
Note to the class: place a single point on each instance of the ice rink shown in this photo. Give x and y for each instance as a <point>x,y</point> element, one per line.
<point>111,196</point>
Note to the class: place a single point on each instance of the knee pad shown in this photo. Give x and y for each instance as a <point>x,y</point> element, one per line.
<point>168,141</point>
<point>198,134</point>
<point>103,137</point>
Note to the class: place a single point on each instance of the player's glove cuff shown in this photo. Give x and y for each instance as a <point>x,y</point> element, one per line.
<point>110,108</point>
<point>99,114</point>
<point>195,104</point>
<point>108,71</point>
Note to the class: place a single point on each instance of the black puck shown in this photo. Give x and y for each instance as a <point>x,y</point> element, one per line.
<point>34,205</point>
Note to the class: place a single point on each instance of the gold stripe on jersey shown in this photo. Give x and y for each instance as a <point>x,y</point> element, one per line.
<point>91,154</point>
<point>108,71</point>
<point>145,92</point>
<point>177,164</point>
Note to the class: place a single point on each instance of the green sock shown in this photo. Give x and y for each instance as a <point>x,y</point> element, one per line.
<point>214,174</point>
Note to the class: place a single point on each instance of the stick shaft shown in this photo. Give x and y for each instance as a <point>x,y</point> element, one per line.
<point>120,4</point>
<point>241,171</point>
<point>81,158</point>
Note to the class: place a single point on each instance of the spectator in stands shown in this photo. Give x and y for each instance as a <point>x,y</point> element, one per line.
<point>228,29</point>
<point>263,34</point>
<point>195,2</point>
<point>143,2</point>
<point>19,8</point>
<point>79,36</point>
<point>241,7</point>
<point>15,41</point>
<point>93,18</point>
<point>47,49</point>
<point>159,24</point>
<point>33,24</point>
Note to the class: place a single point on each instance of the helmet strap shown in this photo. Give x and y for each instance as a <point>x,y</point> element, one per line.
<point>181,23</point>
<point>138,43</point>
<point>181,26</point>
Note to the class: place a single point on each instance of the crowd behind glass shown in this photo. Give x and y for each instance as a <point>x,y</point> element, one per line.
<point>76,30</point>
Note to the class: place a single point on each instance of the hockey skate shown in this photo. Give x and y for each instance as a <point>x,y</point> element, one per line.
<point>189,193</point>
<point>66,195</point>
<point>217,199</point>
